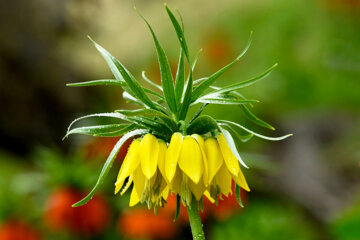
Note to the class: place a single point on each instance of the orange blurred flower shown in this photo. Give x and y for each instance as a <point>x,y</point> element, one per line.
<point>142,223</point>
<point>91,218</point>
<point>101,147</point>
<point>18,230</point>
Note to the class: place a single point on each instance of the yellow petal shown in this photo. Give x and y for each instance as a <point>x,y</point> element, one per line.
<point>161,159</point>
<point>208,196</point>
<point>134,198</point>
<point>214,157</point>
<point>130,163</point>
<point>201,143</point>
<point>197,189</point>
<point>230,160</point>
<point>172,155</point>
<point>190,161</point>
<point>139,181</point>
<point>165,192</point>
<point>175,185</point>
<point>128,184</point>
<point>241,181</point>
<point>224,180</point>
<point>149,152</point>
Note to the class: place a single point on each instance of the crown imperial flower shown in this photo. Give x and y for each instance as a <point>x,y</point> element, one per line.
<point>173,153</point>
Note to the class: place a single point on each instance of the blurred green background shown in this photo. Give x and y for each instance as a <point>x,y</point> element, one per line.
<point>306,187</point>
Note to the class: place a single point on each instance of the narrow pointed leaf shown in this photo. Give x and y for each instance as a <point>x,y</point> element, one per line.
<point>178,201</point>
<point>98,130</point>
<point>252,132</point>
<point>225,99</point>
<point>165,71</point>
<point>155,126</point>
<point>242,138</point>
<point>110,82</point>
<point>150,113</point>
<point>109,163</point>
<point>255,119</point>
<point>122,74</point>
<point>210,80</point>
<point>179,32</point>
<point>197,114</point>
<point>187,99</point>
<point>153,93</point>
<point>238,195</point>
<point>180,79</point>
<point>146,79</point>
<point>113,115</point>
<point>129,98</point>
<point>246,83</point>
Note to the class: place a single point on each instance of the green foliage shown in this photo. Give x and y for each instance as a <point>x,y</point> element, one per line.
<point>346,225</point>
<point>266,220</point>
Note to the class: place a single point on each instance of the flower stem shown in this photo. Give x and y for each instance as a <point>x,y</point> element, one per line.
<point>195,221</point>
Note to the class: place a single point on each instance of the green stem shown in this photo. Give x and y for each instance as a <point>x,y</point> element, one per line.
<point>195,221</point>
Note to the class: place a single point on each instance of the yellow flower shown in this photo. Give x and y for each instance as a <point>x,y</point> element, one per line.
<point>197,167</point>
<point>141,167</point>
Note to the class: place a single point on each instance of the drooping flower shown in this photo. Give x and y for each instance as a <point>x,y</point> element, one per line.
<point>141,167</point>
<point>190,156</point>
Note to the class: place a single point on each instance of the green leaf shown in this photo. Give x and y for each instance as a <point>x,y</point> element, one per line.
<point>109,163</point>
<point>150,82</point>
<point>193,65</point>
<point>118,133</point>
<point>230,142</point>
<point>179,32</point>
<point>122,74</point>
<point>242,138</point>
<point>180,79</point>
<point>210,80</point>
<point>156,127</point>
<point>111,82</point>
<point>187,99</point>
<point>165,71</point>
<point>255,119</point>
<point>188,90</point>
<point>223,99</point>
<point>154,93</point>
<point>129,98</point>
<point>254,133</point>
<point>113,115</point>
<point>237,86</point>
<point>238,195</point>
<point>99,129</point>
<point>202,125</point>
<point>177,207</point>
<point>150,113</point>
<point>197,114</point>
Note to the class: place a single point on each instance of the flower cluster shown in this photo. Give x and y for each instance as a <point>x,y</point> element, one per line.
<point>189,156</point>
<point>188,165</point>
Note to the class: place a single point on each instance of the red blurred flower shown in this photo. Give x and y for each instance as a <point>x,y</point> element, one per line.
<point>89,219</point>
<point>142,223</point>
<point>18,230</point>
